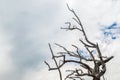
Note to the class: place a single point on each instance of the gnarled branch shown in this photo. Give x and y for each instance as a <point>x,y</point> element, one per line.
<point>96,71</point>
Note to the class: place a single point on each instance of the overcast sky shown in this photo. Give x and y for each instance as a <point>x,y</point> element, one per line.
<point>27,26</point>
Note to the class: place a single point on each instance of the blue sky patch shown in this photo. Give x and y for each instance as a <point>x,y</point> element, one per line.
<point>84,54</point>
<point>111,32</point>
<point>113,26</point>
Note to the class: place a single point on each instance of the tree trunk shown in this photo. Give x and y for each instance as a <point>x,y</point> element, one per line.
<point>96,78</point>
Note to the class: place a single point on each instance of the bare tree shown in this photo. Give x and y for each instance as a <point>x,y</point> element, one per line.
<point>96,70</point>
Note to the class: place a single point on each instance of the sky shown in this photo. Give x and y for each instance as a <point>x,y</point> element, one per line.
<point>27,26</point>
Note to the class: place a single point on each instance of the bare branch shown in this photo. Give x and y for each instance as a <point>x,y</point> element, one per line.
<point>60,74</point>
<point>67,52</point>
<point>96,71</point>
<point>70,27</point>
<point>79,22</point>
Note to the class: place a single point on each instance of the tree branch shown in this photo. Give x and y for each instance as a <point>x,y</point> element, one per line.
<point>99,63</point>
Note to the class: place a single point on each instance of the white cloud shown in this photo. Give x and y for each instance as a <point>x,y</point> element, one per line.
<point>6,64</point>
<point>43,74</point>
<point>39,21</point>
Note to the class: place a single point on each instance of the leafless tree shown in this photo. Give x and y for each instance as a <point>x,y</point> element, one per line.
<point>96,70</point>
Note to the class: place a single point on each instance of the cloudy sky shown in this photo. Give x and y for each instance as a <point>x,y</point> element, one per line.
<point>27,26</point>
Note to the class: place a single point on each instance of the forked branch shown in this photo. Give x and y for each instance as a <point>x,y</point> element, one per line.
<point>98,67</point>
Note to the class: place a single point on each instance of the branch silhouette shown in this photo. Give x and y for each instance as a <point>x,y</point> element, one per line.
<point>96,71</point>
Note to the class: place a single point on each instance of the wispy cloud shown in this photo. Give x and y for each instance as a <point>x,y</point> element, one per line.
<point>26,26</point>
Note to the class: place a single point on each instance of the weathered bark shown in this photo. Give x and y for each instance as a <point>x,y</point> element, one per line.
<point>96,78</point>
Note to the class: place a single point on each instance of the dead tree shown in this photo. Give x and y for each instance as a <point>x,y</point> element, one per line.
<point>98,68</point>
